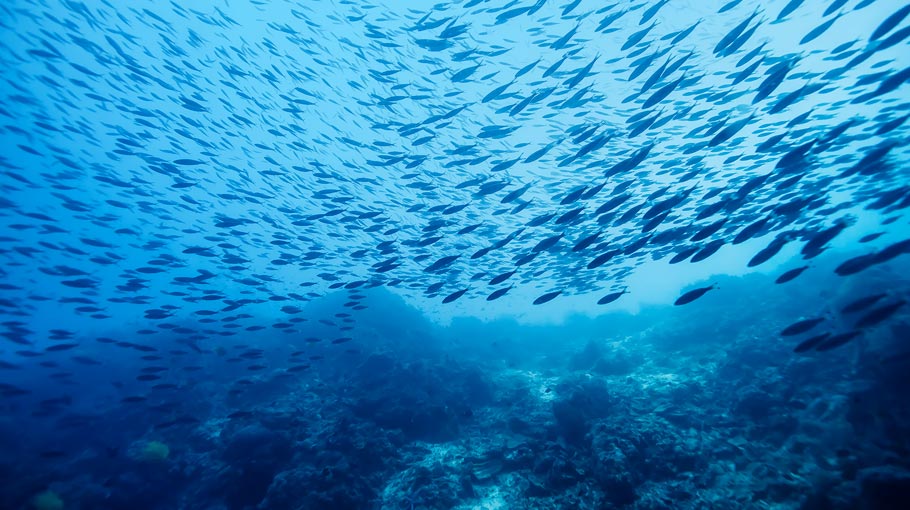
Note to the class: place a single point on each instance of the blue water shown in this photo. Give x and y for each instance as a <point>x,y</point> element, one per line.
<point>467,255</point>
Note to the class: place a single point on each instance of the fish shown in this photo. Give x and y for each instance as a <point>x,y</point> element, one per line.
<point>662,93</point>
<point>546,298</point>
<point>862,262</point>
<point>774,77</point>
<point>732,35</point>
<point>802,326</point>
<point>547,243</point>
<point>838,340</point>
<point>819,30</point>
<point>729,5</point>
<point>586,242</point>
<point>652,11</point>
<point>708,230</point>
<point>454,295</point>
<point>707,250</point>
<point>441,263</point>
<point>811,343</point>
<point>791,274</point>
<point>636,37</point>
<point>611,297</point>
<point>498,293</point>
<point>769,251</point>
<point>862,303</point>
<point>603,258</point>
<point>496,280</point>
<point>692,295</point>
<point>879,315</point>
<point>818,242</point>
<point>890,22</point>
<point>684,254</point>
<point>497,92</point>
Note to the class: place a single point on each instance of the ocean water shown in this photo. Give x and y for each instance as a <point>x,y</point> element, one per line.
<point>479,254</point>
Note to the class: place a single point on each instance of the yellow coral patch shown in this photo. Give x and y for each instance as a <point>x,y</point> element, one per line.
<point>154,451</point>
<point>47,500</point>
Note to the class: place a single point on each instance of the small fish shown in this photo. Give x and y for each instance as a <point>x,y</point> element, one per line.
<point>791,274</point>
<point>810,343</point>
<point>769,251</point>
<point>496,280</point>
<point>837,341</point>
<point>732,35</point>
<point>879,315</point>
<point>498,293</point>
<point>547,243</point>
<point>788,9</point>
<point>692,295</point>
<point>586,242</point>
<point>862,303</point>
<point>441,264</point>
<point>709,249</point>
<point>545,298</point>
<point>890,22</point>
<point>613,296</point>
<point>819,30</point>
<point>453,296</point>
<point>800,327</point>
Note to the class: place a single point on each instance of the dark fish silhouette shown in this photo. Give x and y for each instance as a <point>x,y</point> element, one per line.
<point>880,314</point>
<point>838,340</point>
<point>692,295</point>
<point>862,303</point>
<point>453,296</point>
<point>811,343</point>
<point>613,296</point>
<point>545,298</point>
<point>791,274</point>
<point>800,327</point>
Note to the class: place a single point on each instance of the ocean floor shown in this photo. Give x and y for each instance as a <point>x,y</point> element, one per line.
<point>680,414</point>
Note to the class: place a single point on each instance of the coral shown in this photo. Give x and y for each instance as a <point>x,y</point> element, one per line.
<point>154,451</point>
<point>47,500</point>
<point>580,401</point>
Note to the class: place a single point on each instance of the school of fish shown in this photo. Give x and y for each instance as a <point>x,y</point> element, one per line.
<point>169,160</point>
